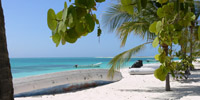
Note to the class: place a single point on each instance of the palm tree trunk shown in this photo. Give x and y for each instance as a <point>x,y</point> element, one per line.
<point>167,85</point>
<point>6,85</point>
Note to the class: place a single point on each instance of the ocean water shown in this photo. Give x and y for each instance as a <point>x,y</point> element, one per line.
<point>23,67</point>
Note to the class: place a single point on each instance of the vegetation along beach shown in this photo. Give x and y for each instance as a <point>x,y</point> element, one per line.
<point>100,50</point>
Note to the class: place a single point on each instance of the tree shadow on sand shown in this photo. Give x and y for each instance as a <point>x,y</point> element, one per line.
<point>179,92</point>
<point>176,93</point>
<point>185,89</point>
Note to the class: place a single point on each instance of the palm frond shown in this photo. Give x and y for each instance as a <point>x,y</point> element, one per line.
<point>114,17</point>
<point>138,28</point>
<point>124,57</point>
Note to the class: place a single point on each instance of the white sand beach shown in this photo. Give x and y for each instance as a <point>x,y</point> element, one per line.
<point>134,87</point>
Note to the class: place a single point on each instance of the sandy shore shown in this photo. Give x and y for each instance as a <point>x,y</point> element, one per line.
<point>134,87</point>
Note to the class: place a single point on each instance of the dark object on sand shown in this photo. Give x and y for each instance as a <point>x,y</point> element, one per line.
<point>137,64</point>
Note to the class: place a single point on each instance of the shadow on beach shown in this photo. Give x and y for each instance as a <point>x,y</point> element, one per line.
<point>189,87</point>
<point>175,93</point>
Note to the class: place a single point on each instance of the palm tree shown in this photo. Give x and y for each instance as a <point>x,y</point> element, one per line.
<point>115,19</point>
<point>6,85</point>
<point>137,23</point>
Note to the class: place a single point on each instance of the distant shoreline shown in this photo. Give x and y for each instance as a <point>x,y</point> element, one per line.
<point>80,57</point>
<point>131,57</point>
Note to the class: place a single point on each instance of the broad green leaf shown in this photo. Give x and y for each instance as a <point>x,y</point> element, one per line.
<point>127,8</point>
<point>85,3</point>
<point>64,13</point>
<point>162,57</point>
<point>187,19</point>
<point>161,73</point>
<point>85,34</point>
<point>56,39</point>
<point>99,1</point>
<point>193,17</point>
<point>61,26</point>
<point>160,12</point>
<point>162,1</point>
<point>61,23</point>
<point>80,28</point>
<point>72,34</point>
<point>160,50</point>
<point>199,33</point>
<point>90,22</point>
<point>59,15</point>
<point>72,16</point>
<point>152,27</point>
<point>158,26</point>
<point>51,19</point>
<point>155,42</point>
<point>171,27</point>
<point>70,21</point>
<point>157,57</point>
<point>81,12</point>
<point>63,41</point>
<point>126,2</point>
<point>70,40</point>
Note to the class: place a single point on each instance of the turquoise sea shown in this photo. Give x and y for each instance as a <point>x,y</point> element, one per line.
<point>22,67</point>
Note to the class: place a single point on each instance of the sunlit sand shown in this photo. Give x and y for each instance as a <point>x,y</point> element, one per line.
<point>134,87</point>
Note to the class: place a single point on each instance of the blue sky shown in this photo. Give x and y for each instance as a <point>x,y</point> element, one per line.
<point>29,36</point>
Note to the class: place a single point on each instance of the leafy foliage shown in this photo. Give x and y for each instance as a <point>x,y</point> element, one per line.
<point>174,22</point>
<point>130,6</point>
<point>125,23</point>
<point>155,42</point>
<point>169,30</point>
<point>73,22</point>
<point>171,22</point>
<point>161,73</point>
<point>51,19</point>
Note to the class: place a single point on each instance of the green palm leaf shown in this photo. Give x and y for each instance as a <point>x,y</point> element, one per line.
<point>138,28</point>
<point>123,57</point>
<point>114,17</point>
